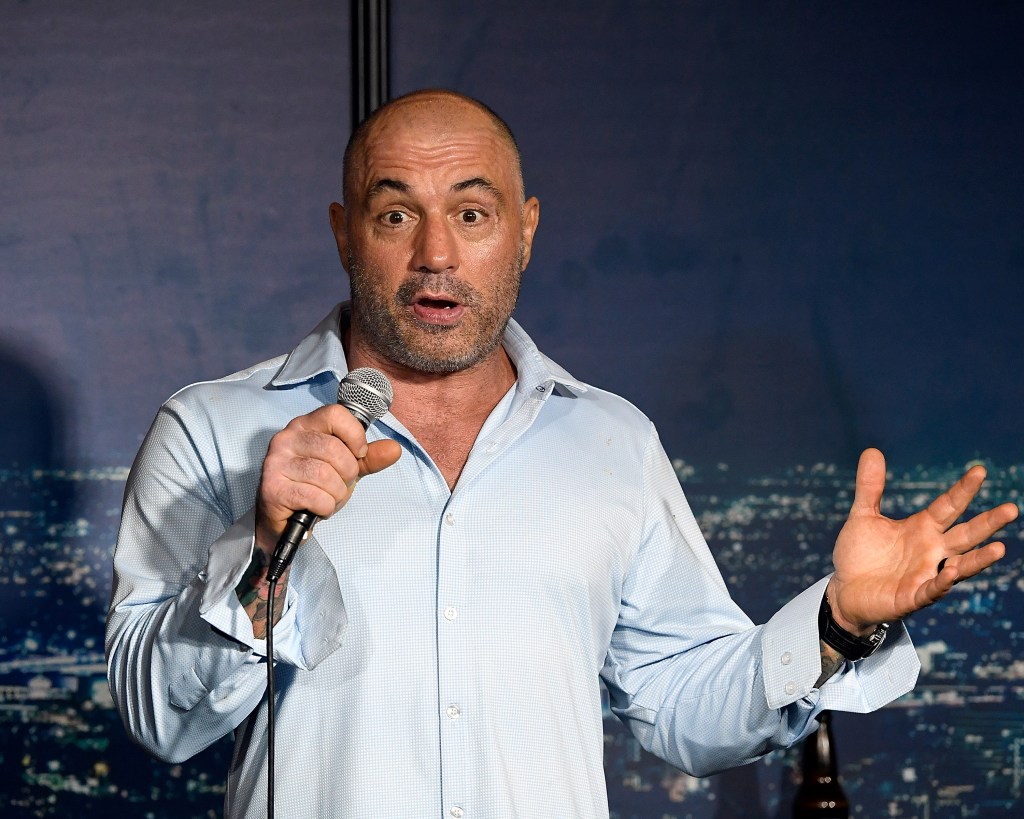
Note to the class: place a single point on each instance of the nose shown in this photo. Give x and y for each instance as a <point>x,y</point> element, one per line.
<point>435,249</point>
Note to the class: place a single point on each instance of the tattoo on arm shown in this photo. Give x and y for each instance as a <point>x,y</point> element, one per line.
<point>249,585</point>
<point>253,591</point>
<point>831,662</point>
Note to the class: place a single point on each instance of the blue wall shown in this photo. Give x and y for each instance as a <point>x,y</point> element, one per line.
<point>786,232</point>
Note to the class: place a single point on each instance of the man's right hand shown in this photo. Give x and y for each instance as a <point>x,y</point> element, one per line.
<point>313,464</point>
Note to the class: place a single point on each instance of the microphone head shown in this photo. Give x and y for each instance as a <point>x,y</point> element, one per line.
<point>366,393</point>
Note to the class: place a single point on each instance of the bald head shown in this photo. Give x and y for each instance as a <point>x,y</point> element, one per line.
<point>427,106</point>
<point>435,235</point>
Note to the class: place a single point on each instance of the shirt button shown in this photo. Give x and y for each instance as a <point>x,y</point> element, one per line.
<point>449,519</point>
<point>453,712</point>
<point>450,613</point>
<point>457,812</point>
<point>790,688</point>
<point>787,658</point>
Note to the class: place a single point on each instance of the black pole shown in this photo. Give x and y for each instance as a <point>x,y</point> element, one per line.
<point>371,80</point>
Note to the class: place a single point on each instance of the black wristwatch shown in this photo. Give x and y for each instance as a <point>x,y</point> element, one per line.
<point>849,645</point>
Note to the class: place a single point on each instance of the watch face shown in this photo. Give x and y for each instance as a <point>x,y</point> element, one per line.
<point>877,638</point>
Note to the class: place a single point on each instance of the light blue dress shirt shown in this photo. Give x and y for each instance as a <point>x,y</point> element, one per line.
<point>440,652</point>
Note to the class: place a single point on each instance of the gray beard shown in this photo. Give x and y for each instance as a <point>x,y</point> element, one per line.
<point>379,324</point>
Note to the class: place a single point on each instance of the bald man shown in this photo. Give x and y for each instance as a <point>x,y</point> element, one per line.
<point>519,537</point>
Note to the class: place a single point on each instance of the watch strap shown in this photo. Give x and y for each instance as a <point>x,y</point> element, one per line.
<point>851,646</point>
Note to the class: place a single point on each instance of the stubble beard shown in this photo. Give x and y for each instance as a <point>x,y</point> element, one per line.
<point>386,324</point>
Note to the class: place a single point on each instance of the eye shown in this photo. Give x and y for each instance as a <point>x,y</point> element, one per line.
<point>471,216</point>
<point>395,217</point>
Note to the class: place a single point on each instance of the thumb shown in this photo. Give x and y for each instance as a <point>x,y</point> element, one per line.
<point>379,455</point>
<point>870,482</point>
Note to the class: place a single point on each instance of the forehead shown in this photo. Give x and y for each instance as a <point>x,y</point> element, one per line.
<point>439,139</point>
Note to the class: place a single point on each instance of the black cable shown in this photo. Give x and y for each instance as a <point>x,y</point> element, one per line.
<point>271,592</point>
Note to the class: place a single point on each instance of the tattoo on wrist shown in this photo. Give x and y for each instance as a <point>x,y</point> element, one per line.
<point>253,591</point>
<point>831,662</point>
<point>255,576</point>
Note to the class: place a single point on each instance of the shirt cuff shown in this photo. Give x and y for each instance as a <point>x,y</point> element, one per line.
<point>791,657</point>
<point>313,620</point>
<point>230,556</point>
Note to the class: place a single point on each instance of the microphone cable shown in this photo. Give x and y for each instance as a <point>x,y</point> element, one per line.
<point>271,591</point>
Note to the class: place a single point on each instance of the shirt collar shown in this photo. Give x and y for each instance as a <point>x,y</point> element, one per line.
<point>322,351</point>
<point>319,352</point>
<point>534,369</point>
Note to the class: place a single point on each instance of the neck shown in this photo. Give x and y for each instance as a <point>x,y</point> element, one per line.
<point>444,411</point>
<point>446,398</point>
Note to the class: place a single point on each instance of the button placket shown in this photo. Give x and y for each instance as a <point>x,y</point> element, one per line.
<point>451,650</point>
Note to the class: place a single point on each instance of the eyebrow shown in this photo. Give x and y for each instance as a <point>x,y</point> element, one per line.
<point>479,182</point>
<point>386,185</point>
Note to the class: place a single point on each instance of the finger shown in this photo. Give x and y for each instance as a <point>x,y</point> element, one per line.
<point>305,469</point>
<point>279,498</point>
<point>314,457</point>
<point>954,570</point>
<point>321,501</point>
<point>293,483</point>
<point>870,482</point>
<point>970,533</point>
<point>337,422</point>
<point>939,586</point>
<point>379,455</point>
<point>971,563</point>
<point>950,505</point>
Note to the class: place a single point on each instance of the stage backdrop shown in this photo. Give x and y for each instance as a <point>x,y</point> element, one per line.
<point>784,231</point>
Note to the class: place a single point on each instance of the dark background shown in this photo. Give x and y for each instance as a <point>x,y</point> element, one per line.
<point>784,230</point>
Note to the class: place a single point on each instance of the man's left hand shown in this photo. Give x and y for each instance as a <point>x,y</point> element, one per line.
<point>887,569</point>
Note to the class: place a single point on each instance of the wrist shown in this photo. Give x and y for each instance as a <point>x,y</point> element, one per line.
<point>265,539</point>
<point>833,596</point>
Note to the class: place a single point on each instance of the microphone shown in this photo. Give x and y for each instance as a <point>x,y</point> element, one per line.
<point>367,394</point>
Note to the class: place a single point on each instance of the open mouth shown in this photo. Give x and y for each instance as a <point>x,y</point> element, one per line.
<point>437,309</point>
<point>437,304</point>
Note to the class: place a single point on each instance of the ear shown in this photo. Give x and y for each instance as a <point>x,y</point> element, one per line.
<point>531,216</point>
<point>340,232</point>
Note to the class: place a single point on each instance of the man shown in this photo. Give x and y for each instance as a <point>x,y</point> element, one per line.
<point>445,626</point>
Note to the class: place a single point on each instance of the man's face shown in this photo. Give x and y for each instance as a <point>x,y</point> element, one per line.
<point>435,237</point>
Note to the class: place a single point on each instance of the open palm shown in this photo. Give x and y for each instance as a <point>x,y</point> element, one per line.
<point>886,569</point>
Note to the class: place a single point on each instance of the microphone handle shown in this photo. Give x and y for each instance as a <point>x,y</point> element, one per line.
<point>295,531</point>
